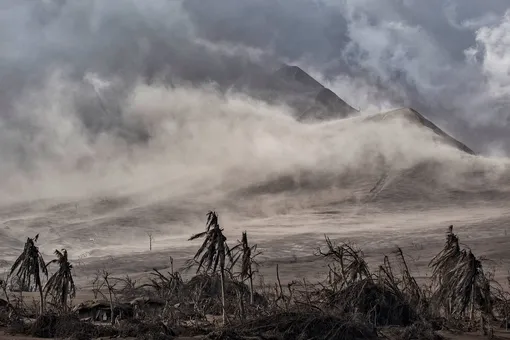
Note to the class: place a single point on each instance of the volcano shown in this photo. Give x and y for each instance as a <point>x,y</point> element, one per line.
<point>417,118</point>
<point>291,85</point>
<point>312,102</point>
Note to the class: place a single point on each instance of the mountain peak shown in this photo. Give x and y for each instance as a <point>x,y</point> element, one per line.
<point>296,74</point>
<point>322,103</point>
<point>415,117</point>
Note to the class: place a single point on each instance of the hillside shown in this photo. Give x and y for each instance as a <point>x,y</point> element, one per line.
<point>415,117</point>
<point>296,88</point>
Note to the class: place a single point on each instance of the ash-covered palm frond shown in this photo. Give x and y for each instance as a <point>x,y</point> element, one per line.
<point>447,258</point>
<point>246,254</point>
<point>386,277</point>
<point>29,266</point>
<point>61,284</point>
<point>353,266</point>
<point>469,287</point>
<point>249,266</point>
<point>166,286</point>
<point>409,285</point>
<point>214,251</point>
<point>460,279</point>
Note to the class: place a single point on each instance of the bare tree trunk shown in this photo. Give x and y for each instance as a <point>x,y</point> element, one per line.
<point>111,297</point>
<point>239,294</point>
<point>111,309</point>
<point>150,240</point>
<point>222,277</point>
<point>472,309</point>
<point>251,289</point>
<point>42,299</point>
<point>65,295</point>
<point>281,295</point>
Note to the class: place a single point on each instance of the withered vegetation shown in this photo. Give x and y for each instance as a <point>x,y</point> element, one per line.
<point>221,301</point>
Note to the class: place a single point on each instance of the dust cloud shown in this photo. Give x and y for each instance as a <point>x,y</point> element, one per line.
<point>195,139</point>
<point>98,194</point>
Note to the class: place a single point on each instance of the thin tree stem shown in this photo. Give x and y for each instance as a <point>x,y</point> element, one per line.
<point>222,277</point>
<point>42,299</point>
<point>251,288</point>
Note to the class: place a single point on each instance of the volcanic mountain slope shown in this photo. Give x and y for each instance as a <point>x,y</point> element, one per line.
<point>429,165</point>
<point>314,102</point>
<point>417,118</point>
<point>296,88</point>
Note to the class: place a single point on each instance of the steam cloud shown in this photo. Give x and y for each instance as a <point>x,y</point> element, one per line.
<point>120,86</point>
<point>447,59</point>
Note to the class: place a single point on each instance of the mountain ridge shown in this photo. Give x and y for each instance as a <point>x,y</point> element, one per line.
<point>416,117</point>
<point>328,105</point>
<point>292,85</point>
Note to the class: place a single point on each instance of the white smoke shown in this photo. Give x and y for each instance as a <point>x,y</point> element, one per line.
<point>95,92</point>
<point>493,48</point>
<point>393,53</point>
<point>201,141</point>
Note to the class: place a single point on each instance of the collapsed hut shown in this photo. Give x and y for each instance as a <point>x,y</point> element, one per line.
<point>100,311</point>
<point>146,305</point>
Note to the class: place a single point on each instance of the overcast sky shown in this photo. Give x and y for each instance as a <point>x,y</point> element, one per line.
<point>449,59</point>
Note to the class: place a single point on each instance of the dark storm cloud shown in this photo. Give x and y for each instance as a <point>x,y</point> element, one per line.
<point>122,41</point>
<point>446,58</point>
<point>438,56</point>
<point>127,39</point>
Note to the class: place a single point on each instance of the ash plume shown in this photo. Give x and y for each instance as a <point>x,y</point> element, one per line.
<point>109,90</point>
